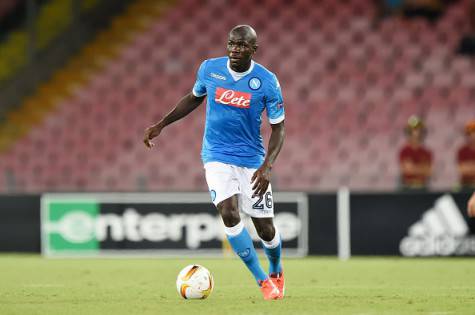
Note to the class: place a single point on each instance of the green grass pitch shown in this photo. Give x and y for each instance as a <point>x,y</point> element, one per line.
<point>361,286</point>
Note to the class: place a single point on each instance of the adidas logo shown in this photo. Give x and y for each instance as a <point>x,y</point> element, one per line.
<point>442,231</point>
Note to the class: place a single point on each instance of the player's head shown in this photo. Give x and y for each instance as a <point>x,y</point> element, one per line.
<point>415,129</point>
<point>242,44</point>
<point>470,131</point>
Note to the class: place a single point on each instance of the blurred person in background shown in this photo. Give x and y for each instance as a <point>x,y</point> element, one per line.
<point>415,160</point>
<point>466,158</point>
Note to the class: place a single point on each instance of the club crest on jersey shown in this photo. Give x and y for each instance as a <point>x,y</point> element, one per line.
<point>255,83</point>
<point>233,98</point>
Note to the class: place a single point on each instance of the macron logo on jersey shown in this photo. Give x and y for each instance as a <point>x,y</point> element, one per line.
<point>217,76</point>
<point>233,98</point>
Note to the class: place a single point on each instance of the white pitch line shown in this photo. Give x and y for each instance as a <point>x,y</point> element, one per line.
<point>43,285</point>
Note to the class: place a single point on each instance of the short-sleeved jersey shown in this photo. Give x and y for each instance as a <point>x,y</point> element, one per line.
<point>418,156</point>
<point>235,102</point>
<point>466,154</point>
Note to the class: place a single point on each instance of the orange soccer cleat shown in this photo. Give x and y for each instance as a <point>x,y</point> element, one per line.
<point>269,290</point>
<point>279,281</point>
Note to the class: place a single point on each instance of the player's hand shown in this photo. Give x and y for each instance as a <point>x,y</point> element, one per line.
<point>150,133</point>
<point>471,206</point>
<point>261,180</point>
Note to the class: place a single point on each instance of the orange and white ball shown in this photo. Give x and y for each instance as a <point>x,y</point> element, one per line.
<point>194,282</point>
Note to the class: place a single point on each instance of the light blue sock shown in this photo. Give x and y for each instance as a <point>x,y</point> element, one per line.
<point>244,248</point>
<point>273,251</point>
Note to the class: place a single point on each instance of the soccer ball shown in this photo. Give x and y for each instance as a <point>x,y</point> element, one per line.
<point>194,282</point>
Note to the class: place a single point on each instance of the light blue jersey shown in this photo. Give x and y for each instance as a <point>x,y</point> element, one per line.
<point>235,102</point>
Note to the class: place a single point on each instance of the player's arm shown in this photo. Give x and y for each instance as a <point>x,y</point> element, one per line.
<point>186,105</point>
<point>426,168</point>
<point>262,176</point>
<point>467,168</point>
<point>408,167</point>
<point>471,206</point>
<point>276,115</point>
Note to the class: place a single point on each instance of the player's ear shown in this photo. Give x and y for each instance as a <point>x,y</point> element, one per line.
<point>254,47</point>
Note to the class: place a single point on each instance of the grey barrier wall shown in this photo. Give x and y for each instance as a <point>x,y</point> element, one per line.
<point>407,224</point>
<point>20,223</point>
<point>322,225</point>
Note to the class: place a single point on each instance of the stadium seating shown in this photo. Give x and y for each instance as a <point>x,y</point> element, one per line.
<point>52,19</point>
<point>348,85</point>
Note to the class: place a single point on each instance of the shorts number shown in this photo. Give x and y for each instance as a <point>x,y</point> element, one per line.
<point>260,206</point>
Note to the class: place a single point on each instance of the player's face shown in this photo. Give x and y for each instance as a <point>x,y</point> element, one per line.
<point>240,51</point>
<point>416,135</point>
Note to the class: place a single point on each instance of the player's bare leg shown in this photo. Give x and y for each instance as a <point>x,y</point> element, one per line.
<point>242,245</point>
<point>272,247</point>
<point>471,206</point>
<point>229,211</point>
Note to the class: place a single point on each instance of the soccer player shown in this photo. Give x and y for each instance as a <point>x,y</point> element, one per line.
<point>237,169</point>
